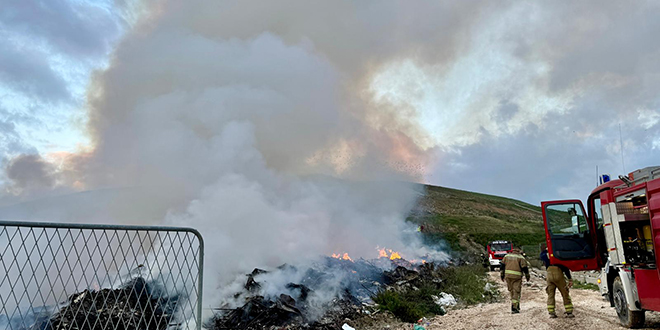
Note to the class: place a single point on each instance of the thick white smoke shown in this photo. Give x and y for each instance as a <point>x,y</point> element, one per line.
<point>265,141</point>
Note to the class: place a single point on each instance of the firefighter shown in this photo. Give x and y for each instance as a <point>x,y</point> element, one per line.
<point>555,277</point>
<point>512,268</point>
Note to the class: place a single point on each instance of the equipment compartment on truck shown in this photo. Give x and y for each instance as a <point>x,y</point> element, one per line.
<point>634,227</point>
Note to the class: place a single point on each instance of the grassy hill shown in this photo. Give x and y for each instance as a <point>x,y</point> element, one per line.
<point>467,221</point>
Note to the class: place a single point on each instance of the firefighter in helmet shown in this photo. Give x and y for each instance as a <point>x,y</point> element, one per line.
<point>555,277</point>
<point>512,269</point>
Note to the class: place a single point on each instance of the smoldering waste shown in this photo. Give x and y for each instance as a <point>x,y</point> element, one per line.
<point>137,305</point>
<point>306,305</point>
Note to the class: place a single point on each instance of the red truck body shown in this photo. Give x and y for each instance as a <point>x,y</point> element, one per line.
<point>619,234</point>
<point>496,252</point>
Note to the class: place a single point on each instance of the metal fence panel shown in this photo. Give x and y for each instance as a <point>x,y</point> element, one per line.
<point>103,277</point>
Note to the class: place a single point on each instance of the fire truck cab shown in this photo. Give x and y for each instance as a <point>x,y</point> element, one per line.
<point>617,233</point>
<point>496,252</point>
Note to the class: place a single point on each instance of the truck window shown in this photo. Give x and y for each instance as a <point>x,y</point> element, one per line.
<point>500,246</point>
<point>598,216</point>
<point>566,219</point>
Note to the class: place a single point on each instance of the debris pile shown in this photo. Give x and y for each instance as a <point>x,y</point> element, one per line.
<point>136,306</point>
<point>283,312</point>
<point>402,278</point>
<point>299,307</point>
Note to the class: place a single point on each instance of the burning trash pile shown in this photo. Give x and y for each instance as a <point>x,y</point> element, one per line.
<point>322,296</point>
<point>138,305</point>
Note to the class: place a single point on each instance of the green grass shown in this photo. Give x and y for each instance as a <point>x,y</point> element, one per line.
<point>463,220</point>
<point>411,305</point>
<point>466,283</point>
<point>585,286</point>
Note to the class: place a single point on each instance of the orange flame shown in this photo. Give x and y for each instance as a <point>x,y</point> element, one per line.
<point>382,253</point>
<point>340,256</point>
<point>392,255</point>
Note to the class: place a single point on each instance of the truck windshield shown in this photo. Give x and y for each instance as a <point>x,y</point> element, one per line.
<point>500,246</point>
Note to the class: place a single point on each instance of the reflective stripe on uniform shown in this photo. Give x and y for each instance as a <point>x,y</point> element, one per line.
<point>514,301</point>
<point>568,308</point>
<point>513,272</point>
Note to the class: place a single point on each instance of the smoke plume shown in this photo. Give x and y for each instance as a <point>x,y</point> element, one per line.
<point>253,122</point>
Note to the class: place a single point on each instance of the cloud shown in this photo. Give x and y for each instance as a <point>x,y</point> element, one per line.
<point>554,160</point>
<point>29,73</point>
<point>48,50</point>
<point>78,29</point>
<point>538,72</point>
<point>29,172</point>
<point>46,43</point>
<point>11,143</point>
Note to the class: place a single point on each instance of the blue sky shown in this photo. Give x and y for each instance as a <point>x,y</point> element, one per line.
<point>519,99</point>
<point>48,50</point>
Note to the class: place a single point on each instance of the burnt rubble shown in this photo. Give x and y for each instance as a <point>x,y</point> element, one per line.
<point>403,278</point>
<point>284,312</point>
<point>137,305</point>
<point>296,308</point>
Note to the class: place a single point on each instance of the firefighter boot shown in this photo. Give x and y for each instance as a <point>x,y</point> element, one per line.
<point>569,315</point>
<point>553,315</point>
<point>515,309</point>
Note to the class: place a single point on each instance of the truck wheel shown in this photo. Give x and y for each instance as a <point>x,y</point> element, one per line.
<point>628,318</point>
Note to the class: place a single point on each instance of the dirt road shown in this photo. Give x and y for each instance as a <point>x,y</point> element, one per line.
<point>591,312</point>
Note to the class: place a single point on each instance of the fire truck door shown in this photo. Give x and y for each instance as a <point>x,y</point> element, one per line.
<point>569,234</point>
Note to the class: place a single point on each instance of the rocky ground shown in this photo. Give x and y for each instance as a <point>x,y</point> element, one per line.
<point>591,312</point>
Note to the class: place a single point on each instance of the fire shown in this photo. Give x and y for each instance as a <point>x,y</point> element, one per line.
<point>392,255</point>
<point>382,253</point>
<point>342,256</point>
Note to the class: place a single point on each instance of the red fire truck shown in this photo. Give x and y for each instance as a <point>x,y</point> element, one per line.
<point>619,234</point>
<point>496,252</point>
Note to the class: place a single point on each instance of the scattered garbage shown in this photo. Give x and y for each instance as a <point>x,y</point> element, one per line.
<point>347,327</point>
<point>445,300</point>
<point>138,305</point>
<point>420,323</point>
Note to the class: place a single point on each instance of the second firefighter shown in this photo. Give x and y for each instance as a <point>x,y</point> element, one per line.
<point>513,267</point>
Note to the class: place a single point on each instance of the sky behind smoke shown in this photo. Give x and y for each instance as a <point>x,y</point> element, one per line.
<point>516,99</point>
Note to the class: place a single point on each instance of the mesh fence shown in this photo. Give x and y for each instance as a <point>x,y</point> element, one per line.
<point>101,277</point>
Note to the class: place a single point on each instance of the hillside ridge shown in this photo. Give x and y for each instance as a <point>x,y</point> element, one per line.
<point>468,220</point>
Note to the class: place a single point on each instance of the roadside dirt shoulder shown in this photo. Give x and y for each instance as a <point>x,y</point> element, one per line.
<point>591,312</point>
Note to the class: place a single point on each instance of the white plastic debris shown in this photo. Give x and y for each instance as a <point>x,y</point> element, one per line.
<point>347,327</point>
<point>445,299</point>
